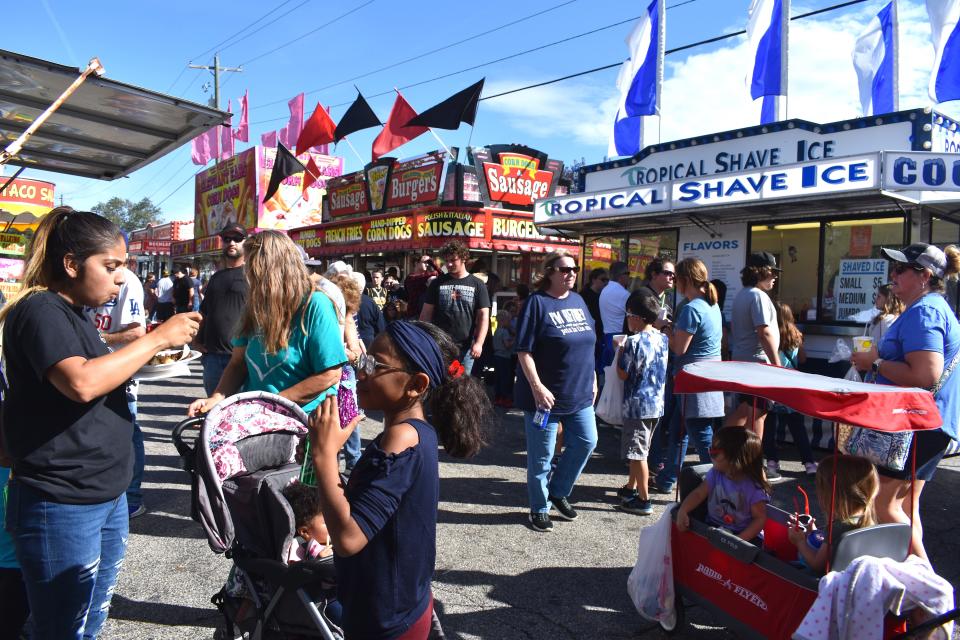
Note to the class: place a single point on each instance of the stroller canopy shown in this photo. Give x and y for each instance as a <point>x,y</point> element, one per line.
<point>874,406</point>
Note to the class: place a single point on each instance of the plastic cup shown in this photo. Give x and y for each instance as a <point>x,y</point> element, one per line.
<point>862,344</point>
<point>618,339</point>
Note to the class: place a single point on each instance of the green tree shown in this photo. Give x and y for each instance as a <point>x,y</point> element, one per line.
<point>129,215</point>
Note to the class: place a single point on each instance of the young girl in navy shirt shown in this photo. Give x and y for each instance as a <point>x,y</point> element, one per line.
<point>383,524</point>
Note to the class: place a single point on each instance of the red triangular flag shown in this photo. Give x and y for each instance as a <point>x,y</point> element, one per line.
<point>242,132</point>
<point>318,130</point>
<point>310,176</point>
<point>394,133</point>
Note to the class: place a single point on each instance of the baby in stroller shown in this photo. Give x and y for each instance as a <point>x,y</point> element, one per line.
<point>247,498</point>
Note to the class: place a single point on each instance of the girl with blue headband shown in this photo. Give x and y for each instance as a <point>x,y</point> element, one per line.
<point>383,523</point>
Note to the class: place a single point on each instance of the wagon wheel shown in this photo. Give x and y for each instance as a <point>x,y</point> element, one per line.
<point>679,618</point>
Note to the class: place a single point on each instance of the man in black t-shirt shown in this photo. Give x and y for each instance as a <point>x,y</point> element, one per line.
<point>224,299</point>
<point>182,291</point>
<point>459,303</point>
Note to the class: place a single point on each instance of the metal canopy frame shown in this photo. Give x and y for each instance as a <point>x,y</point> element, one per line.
<point>106,130</point>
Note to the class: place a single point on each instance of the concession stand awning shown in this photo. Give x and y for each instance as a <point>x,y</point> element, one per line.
<point>823,198</point>
<point>105,130</point>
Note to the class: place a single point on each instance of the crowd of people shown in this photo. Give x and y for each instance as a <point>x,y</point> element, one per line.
<point>338,343</point>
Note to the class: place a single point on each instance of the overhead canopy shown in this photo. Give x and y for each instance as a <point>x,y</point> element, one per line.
<point>106,130</point>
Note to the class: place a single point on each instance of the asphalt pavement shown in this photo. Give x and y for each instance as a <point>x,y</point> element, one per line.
<point>495,576</point>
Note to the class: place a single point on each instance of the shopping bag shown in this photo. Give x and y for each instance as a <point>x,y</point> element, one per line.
<point>610,406</point>
<point>650,584</point>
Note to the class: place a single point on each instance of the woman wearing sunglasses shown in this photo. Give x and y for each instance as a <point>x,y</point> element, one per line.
<point>554,344</point>
<point>919,349</point>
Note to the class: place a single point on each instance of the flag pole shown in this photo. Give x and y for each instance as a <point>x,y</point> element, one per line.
<point>352,148</point>
<point>430,129</point>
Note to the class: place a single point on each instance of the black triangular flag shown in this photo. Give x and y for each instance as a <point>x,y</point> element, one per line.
<point>460,107</point>
<point>357,118</point>
<point>285,165</point>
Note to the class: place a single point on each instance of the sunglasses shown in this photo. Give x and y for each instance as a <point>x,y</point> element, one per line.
<point>367,365</point>
<point>234,239</point>
<point>669,274</point>
<point>903,268</point>
<point>567,270</point>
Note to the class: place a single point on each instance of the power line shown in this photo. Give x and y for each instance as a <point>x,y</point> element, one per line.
<point>228,39</point>
<point>168,180</point>
<point>311,32</point>
<point>169,195</point>
<point>422,55</point>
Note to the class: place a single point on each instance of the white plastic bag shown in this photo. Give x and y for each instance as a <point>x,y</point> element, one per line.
<point>841,351</point>
<point>610,406</point>
<point>650,584</point>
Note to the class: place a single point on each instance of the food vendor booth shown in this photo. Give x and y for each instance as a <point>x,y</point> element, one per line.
<point>393,211</point>
<point>233,190</point>
<point>822,198</point>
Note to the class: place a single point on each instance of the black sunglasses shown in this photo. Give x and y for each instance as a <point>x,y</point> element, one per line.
<point>901,267</point>
<point>566,270</point>
<point>236,239</point>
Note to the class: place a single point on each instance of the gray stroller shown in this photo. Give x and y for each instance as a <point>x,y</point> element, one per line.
<point>240,462</point>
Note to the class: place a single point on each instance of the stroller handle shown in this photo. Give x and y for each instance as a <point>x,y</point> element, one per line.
<point>183,448</point>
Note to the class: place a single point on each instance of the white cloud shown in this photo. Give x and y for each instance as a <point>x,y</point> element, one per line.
<point>705,92</point>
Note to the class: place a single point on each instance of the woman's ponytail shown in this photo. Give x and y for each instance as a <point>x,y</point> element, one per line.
<point>460,409</point>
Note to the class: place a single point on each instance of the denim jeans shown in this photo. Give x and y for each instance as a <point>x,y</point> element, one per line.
<point>352,449</point>
<point>213,366</point>
<point>70,555</point>
<point>579,440</point>
<point>798,431</point>
<point>134,493</point>
<point>700,430</point>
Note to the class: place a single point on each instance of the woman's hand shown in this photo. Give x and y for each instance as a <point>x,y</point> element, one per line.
<point>178,330</point>
<point>204,404</point>
<point>863,360</point>
<point>326,436</point>
<point>542,397</point>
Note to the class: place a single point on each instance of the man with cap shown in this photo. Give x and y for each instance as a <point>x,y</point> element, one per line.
<point>755,335</point>
<point>222,306</point>
<point>613,308</point>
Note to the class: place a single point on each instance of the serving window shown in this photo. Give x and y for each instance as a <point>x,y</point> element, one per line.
<point>636,249</point>
<point>845,254</point>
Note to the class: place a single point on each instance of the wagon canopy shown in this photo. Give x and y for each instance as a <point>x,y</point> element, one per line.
<point>875,406</point>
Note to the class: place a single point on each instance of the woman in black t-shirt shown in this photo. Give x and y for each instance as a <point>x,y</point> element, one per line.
<point>66,428</point>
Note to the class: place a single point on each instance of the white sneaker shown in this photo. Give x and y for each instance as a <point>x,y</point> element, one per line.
<point>773,471</point>
<point>811,468</point>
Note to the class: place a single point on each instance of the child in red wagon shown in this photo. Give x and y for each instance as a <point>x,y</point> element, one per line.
<point>735,489</point>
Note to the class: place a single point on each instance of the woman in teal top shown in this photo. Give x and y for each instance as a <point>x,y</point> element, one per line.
<point>288,341</point>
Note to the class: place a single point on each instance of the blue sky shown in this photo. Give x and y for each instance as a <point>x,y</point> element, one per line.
<point>150,44</point>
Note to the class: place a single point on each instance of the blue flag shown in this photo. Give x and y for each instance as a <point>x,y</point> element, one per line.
<point>945,77</point>
<point>639,81</point>
<point>875,58</point>
<point>767,32</point>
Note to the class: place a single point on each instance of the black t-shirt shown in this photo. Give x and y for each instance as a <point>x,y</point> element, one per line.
<point>73,453</point>
<point>181,291</point>
<point>369,320</point>
<point>592,300</point>
<point>455,303</point>
<point>223,303</point>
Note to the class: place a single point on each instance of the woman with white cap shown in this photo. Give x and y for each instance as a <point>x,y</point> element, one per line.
<point>920,349</point>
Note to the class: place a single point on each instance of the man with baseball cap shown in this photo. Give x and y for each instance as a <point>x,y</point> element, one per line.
<point>755,336</point>
<point>222,306</point>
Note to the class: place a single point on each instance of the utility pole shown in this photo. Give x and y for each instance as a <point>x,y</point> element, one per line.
<point>216,69</point>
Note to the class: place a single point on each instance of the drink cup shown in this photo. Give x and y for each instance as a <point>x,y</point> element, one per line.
<point>862,344</point>
<point>618,340</point>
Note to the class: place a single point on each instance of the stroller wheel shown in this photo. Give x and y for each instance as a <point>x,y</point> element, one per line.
<point>678,620</point>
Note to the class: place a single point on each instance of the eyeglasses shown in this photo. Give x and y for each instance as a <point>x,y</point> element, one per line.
<point>669,274</point>
<point>367,365</point>
<point>901,267</point>
<point>234,239</point>
<point>567,270</point>
<point>632,315</point>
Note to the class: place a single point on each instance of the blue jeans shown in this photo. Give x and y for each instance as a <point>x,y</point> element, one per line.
<point>351,449</point>
<point>134,493</point>
<point>700,430</point>
<point>70,556</point>
<point>579,440</point>
<point>213,366</point>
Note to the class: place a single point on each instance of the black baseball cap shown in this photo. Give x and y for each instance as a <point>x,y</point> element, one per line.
<point>763,259</point>
<point>920,254</point>
<point>233,229</point>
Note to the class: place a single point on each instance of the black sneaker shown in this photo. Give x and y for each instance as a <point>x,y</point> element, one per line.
<point>625,494</point>
<point>541,522</point>
<point>564,510</point>
<point>637,507</point>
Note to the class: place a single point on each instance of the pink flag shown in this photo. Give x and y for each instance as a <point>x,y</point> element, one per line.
<point>269,139</point>
<point>295,125</point>
<point>242,132</point>
<point>226,138</point>
<point>200,150</point>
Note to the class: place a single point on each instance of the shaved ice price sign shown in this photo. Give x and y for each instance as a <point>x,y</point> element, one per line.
<point>856,285</point>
